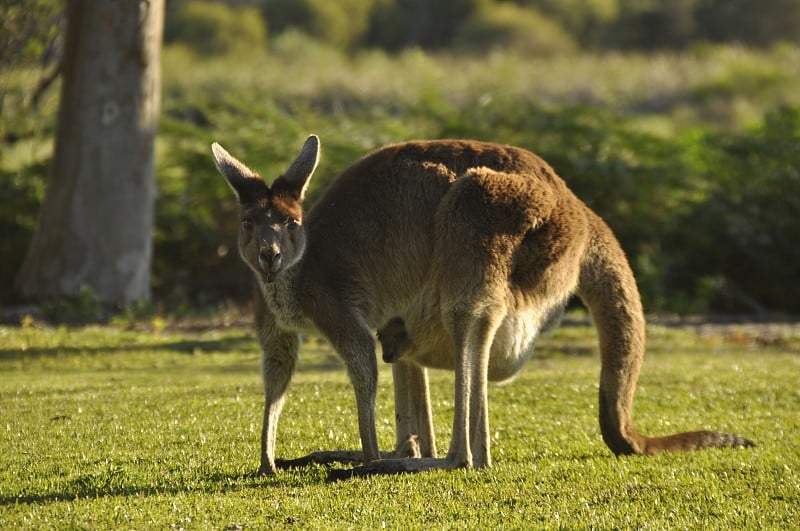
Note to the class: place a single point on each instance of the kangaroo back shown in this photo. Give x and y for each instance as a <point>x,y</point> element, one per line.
<point>375,225</point>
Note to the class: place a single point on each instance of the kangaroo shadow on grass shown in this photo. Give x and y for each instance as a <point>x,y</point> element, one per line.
<point>292,473</point>
<point>181,346</point>
<point>244,342</point>
<point>84,487</point>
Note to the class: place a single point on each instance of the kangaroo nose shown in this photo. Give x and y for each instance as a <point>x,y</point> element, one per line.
<point>269,259</point>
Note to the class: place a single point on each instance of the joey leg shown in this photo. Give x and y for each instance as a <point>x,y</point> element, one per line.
<point>412,409</point>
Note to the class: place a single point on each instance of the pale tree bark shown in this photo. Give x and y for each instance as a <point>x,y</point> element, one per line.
<point>95,225</point>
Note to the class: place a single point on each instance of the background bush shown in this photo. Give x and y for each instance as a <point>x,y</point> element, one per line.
<point>611,24</point>
<point>214,28</point>
<point>342,24</point>
<point>691,156</point>
<point>739,243</point>
<point>506,25</point>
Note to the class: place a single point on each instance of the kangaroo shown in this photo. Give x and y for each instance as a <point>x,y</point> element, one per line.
<point>475,247</point>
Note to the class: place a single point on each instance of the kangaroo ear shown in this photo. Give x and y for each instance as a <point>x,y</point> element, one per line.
<point>300,171</point>
<point>238,175</point>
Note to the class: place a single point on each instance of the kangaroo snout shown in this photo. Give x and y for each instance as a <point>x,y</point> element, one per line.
<point>269,259</point>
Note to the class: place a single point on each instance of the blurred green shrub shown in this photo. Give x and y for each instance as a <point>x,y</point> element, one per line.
<point>509,26</point>
<point>342,24</point>
<point>754,22</point>
<point>397,24</point>
<point>677,23</point>
<point>215,28</point>
<point>708,217</point>
<point>740,244</point>
<point>653,25</point>
<point>29,31</point>
<point>584,20</point>
<point>709,220</point>
<point>21,193</point>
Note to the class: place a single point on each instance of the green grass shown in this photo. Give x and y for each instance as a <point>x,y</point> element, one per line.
<point>102,427</point>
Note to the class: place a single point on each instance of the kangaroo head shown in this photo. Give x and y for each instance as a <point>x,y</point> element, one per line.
<point>271,234</point>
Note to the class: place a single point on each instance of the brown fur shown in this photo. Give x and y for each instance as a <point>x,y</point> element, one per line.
<point>465,251</point>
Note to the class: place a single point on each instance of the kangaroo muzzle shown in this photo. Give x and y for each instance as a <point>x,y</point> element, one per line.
<point>270,259</point>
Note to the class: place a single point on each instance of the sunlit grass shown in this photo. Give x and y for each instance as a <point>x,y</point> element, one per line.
<point>102,427</point>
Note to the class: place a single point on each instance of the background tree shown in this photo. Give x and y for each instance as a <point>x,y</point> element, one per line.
<point>95,226</point>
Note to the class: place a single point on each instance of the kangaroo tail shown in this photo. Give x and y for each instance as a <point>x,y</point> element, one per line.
<point>631,442</point>
<point>696,440</point>
<point>608,288</point>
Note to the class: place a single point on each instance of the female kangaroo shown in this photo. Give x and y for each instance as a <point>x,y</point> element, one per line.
<point>474,248</point>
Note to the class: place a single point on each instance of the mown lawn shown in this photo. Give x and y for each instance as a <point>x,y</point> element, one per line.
<point>102,427</point>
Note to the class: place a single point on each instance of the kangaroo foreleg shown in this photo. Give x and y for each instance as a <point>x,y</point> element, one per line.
<point>354,342</point>
<point>357,349</point>
<point>277,367</point>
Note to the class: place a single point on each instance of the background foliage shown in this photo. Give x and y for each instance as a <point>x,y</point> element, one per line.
<point>608,24</point>
<point>677,121</point>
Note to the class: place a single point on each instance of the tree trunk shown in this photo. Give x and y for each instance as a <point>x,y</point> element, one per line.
<point>95,225</point>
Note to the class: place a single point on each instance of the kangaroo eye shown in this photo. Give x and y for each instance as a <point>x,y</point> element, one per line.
<point>292,223</point>
<point>247,223</point>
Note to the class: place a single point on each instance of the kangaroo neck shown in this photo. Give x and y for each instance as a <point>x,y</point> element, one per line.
<point>283,299</point>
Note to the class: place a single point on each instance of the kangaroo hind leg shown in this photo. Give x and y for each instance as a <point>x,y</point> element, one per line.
<point>473,336</point>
